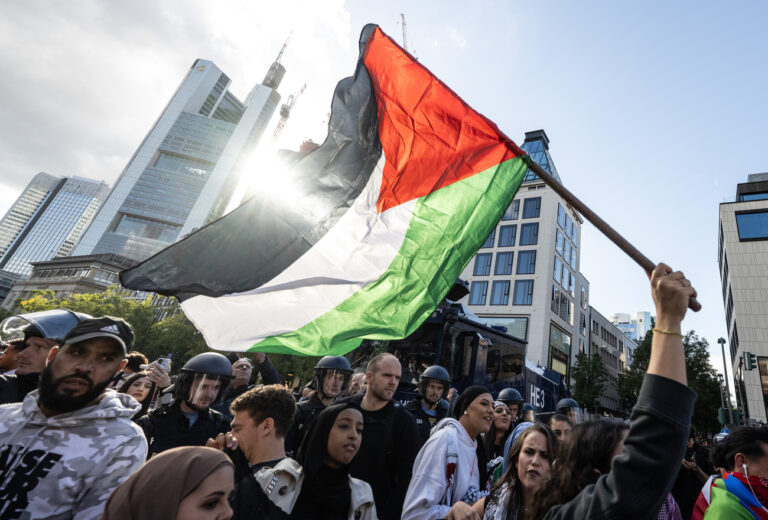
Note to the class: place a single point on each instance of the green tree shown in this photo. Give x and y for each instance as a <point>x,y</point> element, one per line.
<point>588,377</point>
<point>112,302</point>
<point>702,378</point>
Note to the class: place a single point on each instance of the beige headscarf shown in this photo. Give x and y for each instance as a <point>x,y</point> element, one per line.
<point>159,486</point>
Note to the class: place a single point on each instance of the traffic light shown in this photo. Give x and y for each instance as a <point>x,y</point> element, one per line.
<point>751,360</point>
<point>721,417</point>
<point>738,418</point>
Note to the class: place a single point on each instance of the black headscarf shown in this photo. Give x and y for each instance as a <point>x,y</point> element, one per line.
<point>325,492</point>
<point>461,405</point>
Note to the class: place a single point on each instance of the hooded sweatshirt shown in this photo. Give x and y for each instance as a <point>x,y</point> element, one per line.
<point>66,466</point>
<point>445,472</point>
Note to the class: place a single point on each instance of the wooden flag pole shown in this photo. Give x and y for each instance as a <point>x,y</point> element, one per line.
<point>613,235</point>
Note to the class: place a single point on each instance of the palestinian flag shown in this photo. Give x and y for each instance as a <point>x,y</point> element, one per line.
<point>379,223</point>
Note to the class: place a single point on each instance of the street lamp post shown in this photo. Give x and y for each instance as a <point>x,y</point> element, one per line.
<point>727,386</point>
<point>720,387</point>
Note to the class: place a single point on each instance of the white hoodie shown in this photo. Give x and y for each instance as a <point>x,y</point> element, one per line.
<point>66,466</point>
<point>449,450</point>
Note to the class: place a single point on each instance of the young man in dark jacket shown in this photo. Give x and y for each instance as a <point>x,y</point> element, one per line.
<point>262,417</point>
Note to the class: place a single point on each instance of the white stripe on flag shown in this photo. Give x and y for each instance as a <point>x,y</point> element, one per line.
<point>354,253</point>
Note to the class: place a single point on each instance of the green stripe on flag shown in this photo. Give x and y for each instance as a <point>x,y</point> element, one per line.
<point>447,228</point>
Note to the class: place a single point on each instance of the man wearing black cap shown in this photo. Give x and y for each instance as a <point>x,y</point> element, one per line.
<point>66,447</point>
<point>35,334</point>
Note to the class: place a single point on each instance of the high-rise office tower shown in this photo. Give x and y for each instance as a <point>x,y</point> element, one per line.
<point>187,167</point>
<point>56,223</point>
<point>526,275</point>
<point>25,207</point>
<point>743,261</point>
<point>635,325</point>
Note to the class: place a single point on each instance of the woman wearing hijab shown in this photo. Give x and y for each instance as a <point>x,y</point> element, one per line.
<point>189,483</point>
<point>321,489</point>
<point>450,467</point>
<point>141,388</point>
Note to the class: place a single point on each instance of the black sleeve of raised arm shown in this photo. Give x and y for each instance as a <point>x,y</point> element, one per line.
<point>643,475</point>
<point>269,375</point>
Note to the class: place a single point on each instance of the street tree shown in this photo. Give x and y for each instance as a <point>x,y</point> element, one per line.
<point>588,376</point>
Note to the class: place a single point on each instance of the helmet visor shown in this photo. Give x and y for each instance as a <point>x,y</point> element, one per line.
<point>574,415</point>
<point>53,324</point>
<point>204,391</point>
<point>335,382</point>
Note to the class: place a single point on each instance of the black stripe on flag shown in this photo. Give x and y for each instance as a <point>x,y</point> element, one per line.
<point>258,240</point>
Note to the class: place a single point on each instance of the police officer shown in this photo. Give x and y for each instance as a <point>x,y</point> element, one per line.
<point>431,406</point>
<point>189,420</point>
<point>514,401</point>
<point>37,333</point>
<point>331,380</point>
<point>528,413</point>
<point>570,408</point>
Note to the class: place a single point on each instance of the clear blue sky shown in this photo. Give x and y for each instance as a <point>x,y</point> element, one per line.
<point>655,110</point>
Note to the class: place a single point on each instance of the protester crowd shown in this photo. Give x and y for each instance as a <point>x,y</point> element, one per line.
<point>91,429</point>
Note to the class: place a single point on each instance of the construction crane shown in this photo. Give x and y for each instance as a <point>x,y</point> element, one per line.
<point>405,36</point>
<point>285,112</point>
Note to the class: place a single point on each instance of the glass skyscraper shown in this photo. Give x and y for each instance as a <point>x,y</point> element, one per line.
<point>25,207</point>
<point>56,224</point>
<point>186,168</point>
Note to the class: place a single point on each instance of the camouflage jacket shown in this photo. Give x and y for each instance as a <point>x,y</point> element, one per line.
<point>66,466</point>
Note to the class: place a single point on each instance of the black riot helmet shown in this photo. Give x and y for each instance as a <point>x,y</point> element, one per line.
<point>53,324</point>
<point>510,396</point>
<point>203,370</point>
<point>434,373</point>
<point>332,365</point>
<point>570,408</point>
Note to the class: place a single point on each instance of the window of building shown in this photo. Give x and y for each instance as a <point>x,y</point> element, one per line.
<point>558,273</point>
<point>568,226</point>
<point>512,211</point>
<point>559,241</point>
<point>507,236</point>
<point>529,234</point>
<point>583,324</point>
<point>575,236</point>
<point>753,225</point>
<point>573,259</point>
<point>523,292</point>
<point>482,264</point>
<point>504,263</point>
<point>516,326</point>
<point>490,240</point>
<point>560,216</point>
<point>532,207</point>
<point>763,195</point>
<point>526,262</point>
<point>478,293</point>
<point>560,348</point>
<point>583,297</point>
<point>500,292</point>
<point>567,252</point>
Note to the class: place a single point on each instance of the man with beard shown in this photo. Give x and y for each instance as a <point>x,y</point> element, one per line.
<point>389,445</point>
<point>431,407</point>
<point>66,447</point>
<point>189,420</point>
<point>35,333</point>
<point>331,379</point>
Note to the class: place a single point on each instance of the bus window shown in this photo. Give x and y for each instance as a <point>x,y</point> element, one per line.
<point>512,361</point>
<point>415,353</point>
<point>492,364</point>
